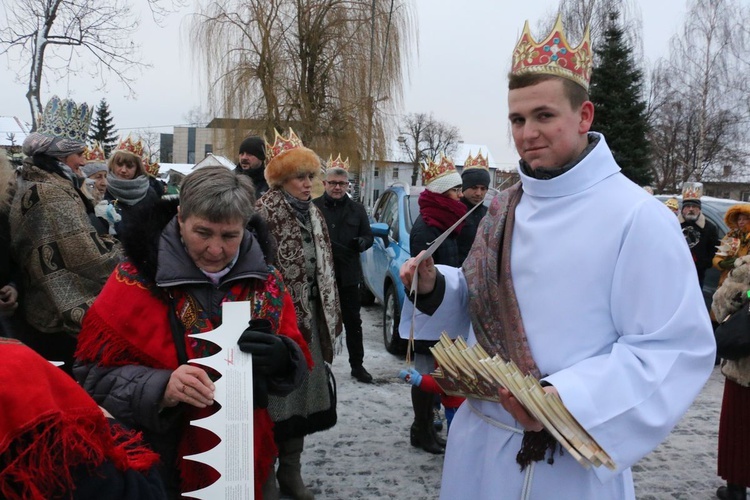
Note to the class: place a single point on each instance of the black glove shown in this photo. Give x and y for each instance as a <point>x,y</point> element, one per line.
<point>270,354</point>
<point>356,244</point>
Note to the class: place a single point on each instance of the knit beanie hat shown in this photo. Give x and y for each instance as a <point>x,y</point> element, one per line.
<point>255,146</point>
<point>475,177</point>
<point>91,168</point>
<point>440,176</point>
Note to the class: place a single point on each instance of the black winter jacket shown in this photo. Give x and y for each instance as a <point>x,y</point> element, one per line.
<point>469,231</point>
<point>349,229</point>
<point>702,238</point>
<point>422,236</point>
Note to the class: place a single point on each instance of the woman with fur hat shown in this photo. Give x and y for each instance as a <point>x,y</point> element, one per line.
<point>736,243</point>
<point>305,260</point>
<point>63,259</point>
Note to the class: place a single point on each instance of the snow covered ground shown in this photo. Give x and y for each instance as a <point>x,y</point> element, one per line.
<point>368,455</point>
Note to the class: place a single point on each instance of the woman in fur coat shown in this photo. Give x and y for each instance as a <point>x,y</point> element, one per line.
<point>305,259</point>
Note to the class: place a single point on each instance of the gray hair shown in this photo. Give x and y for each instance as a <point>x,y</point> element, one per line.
<point>337,171</point>
<point>217,194</point>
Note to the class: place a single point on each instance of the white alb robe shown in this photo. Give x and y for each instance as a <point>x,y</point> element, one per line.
<point>615,321</point>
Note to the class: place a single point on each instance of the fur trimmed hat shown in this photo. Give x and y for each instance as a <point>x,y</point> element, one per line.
<point>291,163</point>
<point>734,212</point>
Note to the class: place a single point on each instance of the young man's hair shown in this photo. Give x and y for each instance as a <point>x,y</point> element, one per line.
<point>576,94</point>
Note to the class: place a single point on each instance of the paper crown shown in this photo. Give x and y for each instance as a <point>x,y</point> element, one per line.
<point>338,163</point>
<point>131,146</point>
<point>554,56</point>
<point>65,119</point>
<point>95,153</point>
<point>477,161</point>
<point>152,169</point>
<point>432,171</point>
<point>692,190</point>
<point>282,144</point>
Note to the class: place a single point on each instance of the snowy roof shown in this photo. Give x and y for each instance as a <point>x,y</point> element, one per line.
<point>397,154</point>
<point>212,160</point>
<point>12,125</point>
<point>183,168</point>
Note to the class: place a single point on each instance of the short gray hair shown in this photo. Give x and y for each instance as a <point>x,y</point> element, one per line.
<point>337,171</point>
<point>217,194</point>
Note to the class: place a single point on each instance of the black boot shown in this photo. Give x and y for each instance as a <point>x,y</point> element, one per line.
<point>422,433</point>
<point>731,492</point>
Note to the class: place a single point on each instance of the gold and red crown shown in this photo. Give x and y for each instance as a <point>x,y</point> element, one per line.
<point>95,153</point>
<point>135,147</point>
<point>477,161</point>
<point>152,169</point>
<point>432,171</point>
<point>692,190</point>
<point>338,162</point>
<point>554,56</point>
<point>282,144</point>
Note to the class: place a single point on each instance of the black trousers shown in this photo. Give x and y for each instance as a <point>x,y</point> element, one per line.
<point>349,297</point>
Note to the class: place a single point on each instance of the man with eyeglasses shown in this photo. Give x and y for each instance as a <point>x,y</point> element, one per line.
<point>349,229</point>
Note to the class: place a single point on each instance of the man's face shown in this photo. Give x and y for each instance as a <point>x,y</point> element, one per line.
<point>211,245</point>
<point>547,131</point>
<point>690,212</point>
<point>337,186</point>
<point>475,194</point>
<point>248,161</point>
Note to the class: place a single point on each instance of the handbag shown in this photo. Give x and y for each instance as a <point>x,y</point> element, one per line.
<point>733,334</point>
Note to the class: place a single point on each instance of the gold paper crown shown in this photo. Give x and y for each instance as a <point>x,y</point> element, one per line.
<point>338,162</point>
<point>135,147</point>
<point>95,153</point>
<point>152,169</point>
<point>281,144</point>
<point>476,162</point>
<point>432,171</point>
<point>692,190</point>
<point>554,56</point>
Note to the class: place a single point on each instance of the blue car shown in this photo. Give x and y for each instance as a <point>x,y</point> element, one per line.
<point>391,220</point>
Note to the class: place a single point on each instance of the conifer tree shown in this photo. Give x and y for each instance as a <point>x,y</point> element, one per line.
<point>620,111</point>
<point>103,128</point>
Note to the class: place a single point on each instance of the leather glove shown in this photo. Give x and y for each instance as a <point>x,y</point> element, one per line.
<point>727,263</point>
<point>270,354</point>
<point>411,375</point>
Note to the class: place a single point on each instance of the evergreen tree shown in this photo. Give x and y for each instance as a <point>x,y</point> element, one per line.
<point>103,128</point>
<point>620,111</point>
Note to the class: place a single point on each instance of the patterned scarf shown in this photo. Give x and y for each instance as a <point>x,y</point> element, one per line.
<point>493,305</point>
<point>440,211</point>
<point>283,224</point>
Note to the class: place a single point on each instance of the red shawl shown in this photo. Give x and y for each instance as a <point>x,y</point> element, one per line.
<point>128,324</point>
<point>49,425</point>
<point>440,211</point>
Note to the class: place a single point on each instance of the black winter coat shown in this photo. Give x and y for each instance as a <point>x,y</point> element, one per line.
<point>349,229</point>
<point>422,235</point>
<point>702,238</point>
<point>469,231</point>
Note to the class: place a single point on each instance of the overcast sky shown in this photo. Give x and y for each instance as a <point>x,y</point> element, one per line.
<point>459,73</point>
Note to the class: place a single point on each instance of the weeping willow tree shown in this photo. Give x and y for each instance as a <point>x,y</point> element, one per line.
<point>331,69</point>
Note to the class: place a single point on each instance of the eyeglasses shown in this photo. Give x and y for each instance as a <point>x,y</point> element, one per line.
<point>336,183</point>
<point>457,190</point>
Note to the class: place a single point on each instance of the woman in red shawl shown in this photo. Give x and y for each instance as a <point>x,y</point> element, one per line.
<point>182,264</point>
<point>55,442</point>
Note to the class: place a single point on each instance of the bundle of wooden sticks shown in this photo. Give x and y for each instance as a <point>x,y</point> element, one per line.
<point>471,372</point>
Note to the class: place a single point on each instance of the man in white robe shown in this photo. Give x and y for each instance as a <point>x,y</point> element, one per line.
<point>608,299</point>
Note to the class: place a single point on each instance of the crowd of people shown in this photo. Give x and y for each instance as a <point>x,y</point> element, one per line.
<point>105,273</point>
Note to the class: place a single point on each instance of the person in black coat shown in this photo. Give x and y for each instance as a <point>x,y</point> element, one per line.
<point>476,181</point>
<point>349,229</point>
<point>253,163</point>
<point>701,235</point>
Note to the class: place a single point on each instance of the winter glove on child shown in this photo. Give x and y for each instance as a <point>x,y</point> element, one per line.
<point>411,375</point>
